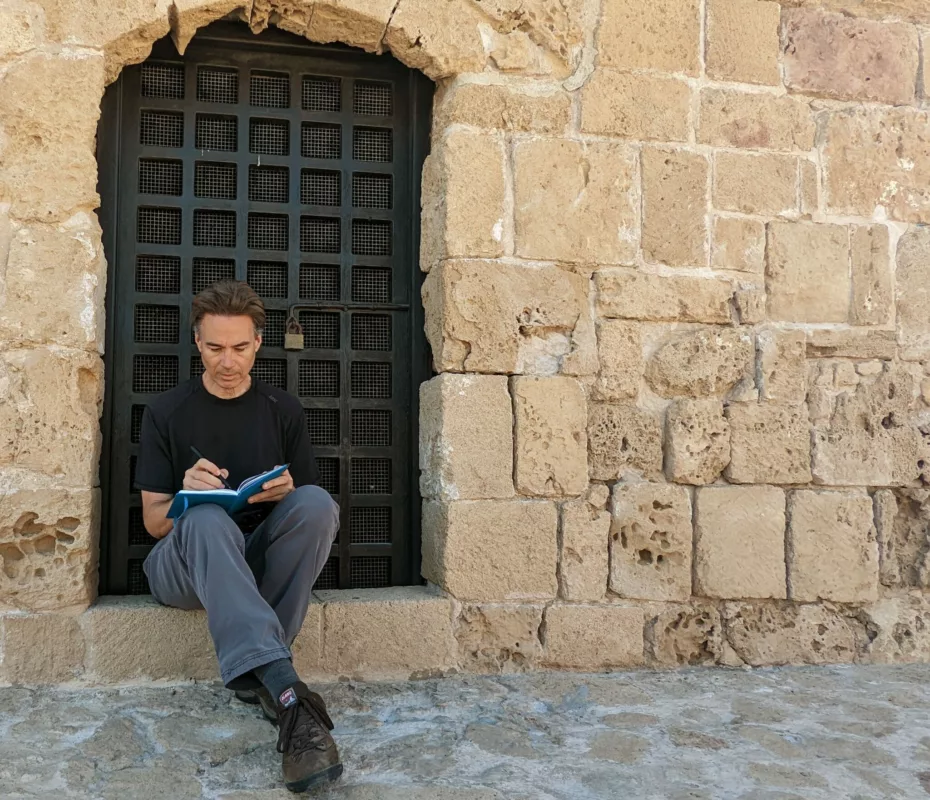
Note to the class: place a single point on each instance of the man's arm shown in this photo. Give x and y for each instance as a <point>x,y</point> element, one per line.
<point>154,508</point>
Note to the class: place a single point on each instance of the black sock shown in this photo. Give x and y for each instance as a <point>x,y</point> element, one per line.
<point>277,676</point>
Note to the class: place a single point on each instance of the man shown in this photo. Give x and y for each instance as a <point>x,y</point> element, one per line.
<point>252,573</point>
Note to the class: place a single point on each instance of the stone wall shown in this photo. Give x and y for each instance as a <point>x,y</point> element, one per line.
<point>678,297</point>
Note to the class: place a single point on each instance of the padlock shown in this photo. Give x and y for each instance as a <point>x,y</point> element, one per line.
<point>294,335</point>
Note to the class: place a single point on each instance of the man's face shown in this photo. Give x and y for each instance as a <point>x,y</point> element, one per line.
<point>228,346</point>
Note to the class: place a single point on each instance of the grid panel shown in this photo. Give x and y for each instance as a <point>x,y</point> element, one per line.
<point>158,225</point>
<point>269,137</point>
<point>207,271</point>
<point>161,129</point>
<point>135,424</point>
<point>373,99</point>
<point>373,144</point>
<point>268,231</point>
<point>329,575</point>
<point>154,373</point>
<point>214,179</point>
<point>319,188</point>
<point>320,141</point>
<point>272,371</point>
<point>369,572</point>
<point>157,324</point>
<point>158,274</point>
<point>268,278</point>
<point>270,90</point>
<point>157,176</point>
<point>132,474</point>
<point>371,476</point>
<point>268,184</point>
<point>321,329</point>
<point>275,322</point>
<point>318,378</point>
<point>320,235</point>
<point>215,132</point>
<point>371,284</point>
<point>371,332</point>
<point>137,532</point>
<point>371,237</point>
<point>319,282</point>
<point>329,474</point>
<point>196,369</point>
<point>217,85</point>
<point>372,190</point>
<point>138,583</point>
<point>370,525</point>
<point>163,80</point>
<point>323,426</point>
<point>371,380</point>
<point>371,427</point>
<point>321,94</point>
<point>214,228</point>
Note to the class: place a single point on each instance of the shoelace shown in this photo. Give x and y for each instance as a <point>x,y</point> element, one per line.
<point>301,732</point>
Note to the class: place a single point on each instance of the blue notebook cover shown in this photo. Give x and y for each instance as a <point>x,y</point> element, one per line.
<point>229,499</point>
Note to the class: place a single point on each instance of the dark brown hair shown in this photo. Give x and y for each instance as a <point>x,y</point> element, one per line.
<point>228,299</point>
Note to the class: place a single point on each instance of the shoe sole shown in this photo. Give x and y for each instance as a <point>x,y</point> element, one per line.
<point>328,775</point>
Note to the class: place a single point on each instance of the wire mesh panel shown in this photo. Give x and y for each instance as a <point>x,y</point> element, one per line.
<point>160,274</point>
<point>207,271</point>
<point>163,80</point>
<point>318,379</point>
<point>320,141</point>
<point>320,235</point>
<point>268,184</point>
<point>158,226</point>
<point>370,525</point>
<point>373,99</point>
<point>373,144</point>
<point>273,335</point>
<point>161,129</point>
<point>271,370</point>
<point>323,426</point>
<point>270,90</point>
<point>371,284</point>
<point>214,132</point>
<point>157,324</point>
<point>268,278</point>
<point>321,94</point>
<point>321,330</point>
<point>217,85</point>
<point>372,191</point>
<point>269,137</point>
<point>216,180</point>
<point>370,572</point>
<point>268,231</point>
<point>158,176</point>
<point>319,282</point>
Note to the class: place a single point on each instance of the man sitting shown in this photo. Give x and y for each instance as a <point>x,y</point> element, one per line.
<point>252,573</point>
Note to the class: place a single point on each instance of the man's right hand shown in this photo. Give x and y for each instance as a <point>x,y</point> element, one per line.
<point>203,476</point>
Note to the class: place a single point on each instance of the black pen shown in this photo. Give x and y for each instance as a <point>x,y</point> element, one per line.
<point>198,454</point>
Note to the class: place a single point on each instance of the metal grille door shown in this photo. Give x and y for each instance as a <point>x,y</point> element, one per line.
<point>296,168</point>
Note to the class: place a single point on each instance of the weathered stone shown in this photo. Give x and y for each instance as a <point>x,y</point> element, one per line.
<point>491,550</point>
<point>851,343</point>
<point>782,365</point>
<point>912,279</point>
<point>835,56</point>
<point>551,454</point>
<point>740,542</point>
<point>810,187</point>
<point>731,118</point>
<point>674,207</point>
<point>697,441</point>
<point>749,303</point>
<point>620,355</point>
<point>39,649</point>
<point>685,636</point>
<point>663,35</point>
<point>899,630</point>
<point>756,183</point>
<point>593,637</point>
<point>485,316</point>
<point>770,634</point>
<point>742,41</point>
<point>710,361</point>
<point>650,542</point>
<point>186,17</point>
<point>832,554</point>
<point>911,10</point>
<point>623,440</point>
<point>499,638</point>
<point>739,244</point>
<point>886,515</point>
<point>807,272</point>
<point>360,23</point>
<point>876,161</point>
<point>769,443</point>
<point>394,632</point>
<point>502,107</point>
<point>629,294</point>
<point>640,106</point>
<point>96,24</point>
<point>871,275</point>
<point>904,537</point>
<point>583,552</point>
<point>22,28</point>
<point>575,202</point>
<point>307,648</point>
<point>459,460</point>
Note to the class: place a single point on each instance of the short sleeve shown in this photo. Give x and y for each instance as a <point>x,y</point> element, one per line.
<point>299,451</point>
<point>154,470</point>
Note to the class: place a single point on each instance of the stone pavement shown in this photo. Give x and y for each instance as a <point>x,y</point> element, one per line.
<point>850,732</point>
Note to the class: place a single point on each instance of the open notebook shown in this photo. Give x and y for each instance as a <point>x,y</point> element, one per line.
<point>232,500</point>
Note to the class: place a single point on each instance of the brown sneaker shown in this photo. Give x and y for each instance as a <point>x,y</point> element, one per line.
<point>260,696</point>
<point>310,757</point>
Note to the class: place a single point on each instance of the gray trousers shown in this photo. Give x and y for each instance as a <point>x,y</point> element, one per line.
<point>255,587</point>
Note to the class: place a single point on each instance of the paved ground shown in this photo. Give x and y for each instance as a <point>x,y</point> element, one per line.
<point>859,732</point>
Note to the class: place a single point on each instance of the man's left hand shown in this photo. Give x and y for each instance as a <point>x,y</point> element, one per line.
<point>275,490</point>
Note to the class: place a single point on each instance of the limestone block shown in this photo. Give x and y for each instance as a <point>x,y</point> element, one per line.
<point>486,550</point>
<point>623,440</point>
<point>663,35</point>
<point>851,343</point>
<point>640,106</point>
<point>550,421</point>
<point>459,459</point>
<point>807,272</point>
<point>650,542</point>
<point>127,638</point>
<point>188,16</point>
<point>742,41</point>
<point>674,207</point>
<point>360,23</point>
<point>886,516</point>
<point>770,634</point>
<point>810,187</point>
<point>710,361</point>
<point>583,552</point>
<point>769,443</point>
<point>749,304</point>
<point>96,24</point>
<point>832,554</point>
<point>503,107</point>
<point>593,636</point>
<point>740,542</point>
<point>575,202</point>
<point>499,638</point>
<point>685,636</point>
<point>697,441</point>
<point>307,648</point>
<point>836,56</point>
<point>620,355</point>
<point>398,632</point>
<point>756,183</point>
<point>629,294</point>
<point>23,28</point>
<point>878,158</point>
<point>782,365</point>
<point>41,648</point>
<point>43,148</point>
<point>485,316</point>
<point>899,630</point>
<point>923,90</point>
<point>912,279</point>
<point>739,244</point>
<point>731,118</point>
<point>911,10</point>
<point>872,302</point>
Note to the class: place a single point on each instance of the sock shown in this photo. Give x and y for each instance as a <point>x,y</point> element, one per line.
<point>277,677</point>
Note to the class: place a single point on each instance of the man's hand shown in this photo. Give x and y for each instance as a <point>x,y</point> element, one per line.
<point>203,476</point>
<point>275,490</point>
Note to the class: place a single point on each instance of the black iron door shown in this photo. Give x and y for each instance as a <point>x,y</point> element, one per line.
<point>294,167</point>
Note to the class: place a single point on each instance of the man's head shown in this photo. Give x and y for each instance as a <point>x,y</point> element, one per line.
<point>228,318</point>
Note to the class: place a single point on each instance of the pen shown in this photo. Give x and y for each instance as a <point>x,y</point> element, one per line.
<point>198,454</point>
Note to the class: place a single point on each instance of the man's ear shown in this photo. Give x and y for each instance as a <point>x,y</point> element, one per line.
<point>258,342</point>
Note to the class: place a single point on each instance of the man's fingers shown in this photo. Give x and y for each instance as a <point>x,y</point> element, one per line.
<point>208,466</point>
<point>281,480</point>
<point>207,478</point>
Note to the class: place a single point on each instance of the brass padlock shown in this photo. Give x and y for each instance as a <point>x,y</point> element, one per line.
<point>294,335</point>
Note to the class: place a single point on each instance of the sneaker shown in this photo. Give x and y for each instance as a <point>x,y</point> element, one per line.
<point>310,757</point>
<point>260,696</point>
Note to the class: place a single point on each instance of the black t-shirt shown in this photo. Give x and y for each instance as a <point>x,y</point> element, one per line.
<point>247,435</point>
